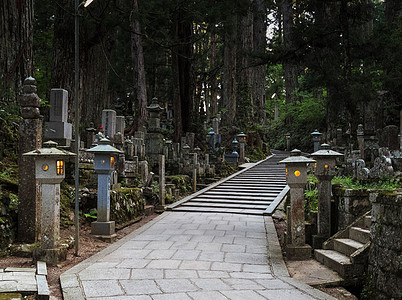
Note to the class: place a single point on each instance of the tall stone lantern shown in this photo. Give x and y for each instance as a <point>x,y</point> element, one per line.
<point>154,142</point>
<point>325,171</point>
<point>241,137</point>
<point>296,178</point>
<point>104,162</point>
<point>50,172</point>
<point>316,139</point>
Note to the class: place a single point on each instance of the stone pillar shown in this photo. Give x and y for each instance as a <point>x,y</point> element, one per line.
<point>91,131</point>
<point>30,138</point>
<point>50,227</point>
<point>162,191</point>
<point>242,152</point>
<point>109,122</point>
<point>360,139</point>
<point>154,142</point>
<point>190,139</point>
<point>325,171</point>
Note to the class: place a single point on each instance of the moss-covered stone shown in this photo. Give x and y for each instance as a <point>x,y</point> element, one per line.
<point>126,204</point>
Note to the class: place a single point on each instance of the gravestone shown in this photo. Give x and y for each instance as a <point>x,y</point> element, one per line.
<point>30,138</point>
<point>389,137</point>
<point>190,139</point>
<point>120,124</point>
<point>91,131</point>
<point>109,122</point>
<point>57,129</point>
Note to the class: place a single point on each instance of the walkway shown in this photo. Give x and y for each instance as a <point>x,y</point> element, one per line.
<point>190,255</point>
<point>252,191</point>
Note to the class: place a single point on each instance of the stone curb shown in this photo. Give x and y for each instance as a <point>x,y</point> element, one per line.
<point>278,266</point>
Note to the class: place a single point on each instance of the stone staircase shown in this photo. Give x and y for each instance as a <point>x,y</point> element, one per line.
<point>346,251</point>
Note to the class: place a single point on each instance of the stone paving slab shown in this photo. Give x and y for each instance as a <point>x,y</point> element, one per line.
<point>222,266</point>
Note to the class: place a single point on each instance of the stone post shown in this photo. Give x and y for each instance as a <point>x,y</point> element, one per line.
<point>90,135</point>
<point>360,140</point>
<point>30,138</point>
<point>162,191</point>
<point>109,122</point>
<point>154,139</point>
<point>120,124</point>
<point>296,178</point>
<point>316,139</point>
<point>325,171</point>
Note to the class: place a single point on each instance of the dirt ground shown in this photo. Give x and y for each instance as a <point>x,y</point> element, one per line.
<point>88,246</point>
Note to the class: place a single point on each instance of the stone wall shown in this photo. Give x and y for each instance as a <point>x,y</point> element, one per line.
<point>350,204</point>
<point>126,205</point>
<point>385,261</point>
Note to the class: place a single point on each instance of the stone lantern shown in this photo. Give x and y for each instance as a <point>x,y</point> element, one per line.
<point>287,137</point>
<point>104,162</point>
<point>296,178</point>
<point>50,172</point>
<point>316,139</point>
<point>154,110</point>
<point>235,145</point>
<point>242,143</point>
<point>211,140</point>
<point>325,171</point>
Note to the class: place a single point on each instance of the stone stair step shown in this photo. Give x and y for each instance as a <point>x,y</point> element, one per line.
<point>335,261</point>
<point>255,202</point>
<point>250,197</point>
<point>346,246</point>
<point>247,190</point>
<point>359,234</point>
<point>220,210</point>
<point>228,205</point>
<point>236,193</point>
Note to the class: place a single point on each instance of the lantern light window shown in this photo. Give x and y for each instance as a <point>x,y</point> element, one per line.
<point>112,162</point>
<point>297,173</point>
<point>60,167</point>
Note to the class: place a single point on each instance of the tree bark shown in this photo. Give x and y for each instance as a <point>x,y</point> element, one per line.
<point>214,80</point>
<point>229,73</point>
<point>289,66</point>
<point>259,40</point>
<point>137,55</point>
<point>16,40</point>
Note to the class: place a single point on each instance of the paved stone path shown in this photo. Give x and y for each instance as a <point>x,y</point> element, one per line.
<point>219,243</point>
<point>187,255</point>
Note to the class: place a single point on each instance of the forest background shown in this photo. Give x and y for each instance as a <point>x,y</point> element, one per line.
<point>266,67</point>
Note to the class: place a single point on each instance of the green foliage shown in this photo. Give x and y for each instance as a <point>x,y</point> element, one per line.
<point>383,184</point>
<point>311,200</point>
<point>92,215</point>
<point>182,182</point>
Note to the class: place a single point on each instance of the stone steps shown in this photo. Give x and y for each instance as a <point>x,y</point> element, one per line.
<point>337,254</point>
<point>250,192</point>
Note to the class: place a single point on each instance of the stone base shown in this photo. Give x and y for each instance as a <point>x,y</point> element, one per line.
<point>107,238</point>
<point>51,256</point>
<point>103,228</point>
<point>318,240</point>
<point>298,252</point>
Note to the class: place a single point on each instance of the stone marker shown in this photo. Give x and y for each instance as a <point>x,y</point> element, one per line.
<point>154,142</point>
<point>30,138</point>
<point>57,129</point>
<point>120,124</point>
<point>162,191</point>
<point>109,122</point>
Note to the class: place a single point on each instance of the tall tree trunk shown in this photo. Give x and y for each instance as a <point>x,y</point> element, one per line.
<point>229,74</point>
<point>16,39</point>
<point>137,55</point>
<point>289,66</point>
<point>214,80</point>
<point>95,47</point>
<point>182,76</point>
<point>259,39</point>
